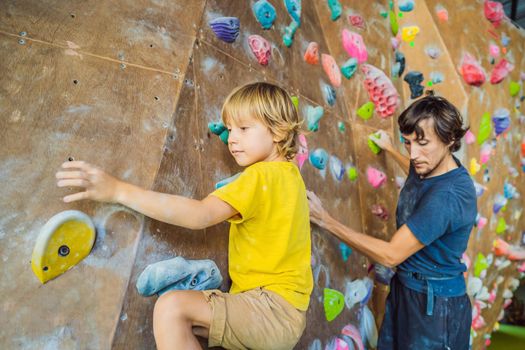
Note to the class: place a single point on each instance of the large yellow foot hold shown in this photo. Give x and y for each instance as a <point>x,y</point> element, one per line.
<point>63,242</point>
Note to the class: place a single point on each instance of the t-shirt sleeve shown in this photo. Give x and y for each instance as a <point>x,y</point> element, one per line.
<point>242,194</point>
<point>432,216</point>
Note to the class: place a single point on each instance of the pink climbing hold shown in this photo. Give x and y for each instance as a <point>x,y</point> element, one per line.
<point>311,56</point>
<point>375,177</point>
<point>478,321</point>
<point>302,153</point>
<point>352,332</point>
<point>380,90</point>
<point>380,211</point>
<point>261,48</point>
<point>331,69</point>
<point>442,13</point>
<point>355,46</point>
<point>469,137</point>
<point>357,21</point>
<point>494,51</point>
<point>494,12</point>
<point>471,71</point>
<point>501,70</point>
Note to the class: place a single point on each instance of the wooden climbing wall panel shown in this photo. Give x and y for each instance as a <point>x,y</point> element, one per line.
<point>132,86</point>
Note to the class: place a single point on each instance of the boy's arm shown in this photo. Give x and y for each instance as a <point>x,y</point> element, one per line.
<point>172,209</point>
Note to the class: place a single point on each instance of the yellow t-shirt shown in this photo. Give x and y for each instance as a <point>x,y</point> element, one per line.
<point>269,244</point>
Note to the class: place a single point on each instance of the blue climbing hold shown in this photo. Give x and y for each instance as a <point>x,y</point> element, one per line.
<point>335,9</point>
<point>414,80</point>
<point>289,32</point>
<point>226,181</point>
<point>294,9</point>
<point>349,67</point>
<point>220,130</point>
<point>400,64</point>
<point>313,116</point>
<point>406,5</point>
<point>265,13</point>
<point>319,158</point>
<point>329,93</point>
<point>345,251</point>
<point>226,28</point>
<point>178,274</point>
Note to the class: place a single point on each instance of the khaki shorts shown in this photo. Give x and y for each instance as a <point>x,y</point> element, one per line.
<point>255,319</point>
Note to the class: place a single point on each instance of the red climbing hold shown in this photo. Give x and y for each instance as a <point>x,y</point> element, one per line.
<point>471,71</point>
<point>494,12</point>
<point>501,70</point>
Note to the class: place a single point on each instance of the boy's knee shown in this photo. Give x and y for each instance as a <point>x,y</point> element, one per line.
<point>170,305</point>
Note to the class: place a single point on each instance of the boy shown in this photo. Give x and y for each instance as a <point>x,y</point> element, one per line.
<point>269,244</point>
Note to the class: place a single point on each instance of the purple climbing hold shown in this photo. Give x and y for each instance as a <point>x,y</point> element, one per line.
<point>226,28</point>
<point>501,120</point>
<point>414,80</point>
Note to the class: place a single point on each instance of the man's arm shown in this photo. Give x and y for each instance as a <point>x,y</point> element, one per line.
<point>402,245</point>
<point>172,209</point>
<point>384,142</point>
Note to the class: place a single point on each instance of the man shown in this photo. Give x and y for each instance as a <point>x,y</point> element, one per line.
<point>427,307</point>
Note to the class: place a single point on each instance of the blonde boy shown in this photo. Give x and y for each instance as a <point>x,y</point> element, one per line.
<point>269,244</point>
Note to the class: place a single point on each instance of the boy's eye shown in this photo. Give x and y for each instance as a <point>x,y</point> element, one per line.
<point>244,128</point>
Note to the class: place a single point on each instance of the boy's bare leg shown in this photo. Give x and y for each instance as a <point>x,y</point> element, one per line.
<point>176,314</point>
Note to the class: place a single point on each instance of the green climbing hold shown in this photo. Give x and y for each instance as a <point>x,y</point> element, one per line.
<point>352,173</point>
<point>502,226</point>
<point>485,128</point>
<point>480,264</point>
<point>393,22</point>
<point>514,88</point>
<point>373,146</point>
<point>366,111</point>
<point>334,303</point>
<point>341,126</point>
<point>295,101</point>
<point>384,14</point>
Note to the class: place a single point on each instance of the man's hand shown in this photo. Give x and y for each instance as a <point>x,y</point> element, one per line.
<point>382,139</point>
<point>318,214</point>
<point>98,185</point>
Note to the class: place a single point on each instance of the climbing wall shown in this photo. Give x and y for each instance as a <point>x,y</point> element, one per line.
<point>133,86</point>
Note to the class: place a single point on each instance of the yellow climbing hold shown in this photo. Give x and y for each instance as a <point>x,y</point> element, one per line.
<point>63,242</point>
<point>409,33</point>
<point>474,166</point>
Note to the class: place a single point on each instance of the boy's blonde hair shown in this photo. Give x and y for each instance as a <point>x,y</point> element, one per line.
<point>272,106</point>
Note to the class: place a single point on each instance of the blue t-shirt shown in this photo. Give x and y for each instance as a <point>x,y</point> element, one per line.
<point>440,211</point>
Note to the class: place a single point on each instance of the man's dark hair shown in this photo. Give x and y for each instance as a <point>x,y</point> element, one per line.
<point>448,122</point>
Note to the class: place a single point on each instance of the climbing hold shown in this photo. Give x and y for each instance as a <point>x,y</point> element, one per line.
<point>486,175</point>
<point>501,227</point>
<point>485,153</point>
<point>354,45</point>
<point>302,153</point>
<point>394,25</point>
<point>329,94</point>
<point>375,177</point>
<point>442,13</point>
<point>380,90</point>
<point>480,189</point>
<point>509,191</point>
<point>353,333</point>
<point>499,202</point>
<point>514,88</point>
<point>336,343</point>
<point>409,33</point>
<point>331,69</point>
<point>226,28</point>
<point>471,71</point>
<point>357,21</point>
<point>178,274</point>
<point>352,173</point>
<point>485,128</point>
<point>333,302</point>
<point>289,32</point>
<point>480,264</point>
<point>220,130</point>
<point>368,328</point>
<point>380,211</point>
<point>505,40</point>
<point>372,145</point>
<point>295,101</point>
<point>313,116</point>
<point>511,252</point>
<point>349,67</point>
<point>494,12</point>
<point>335,9</point>
<point>436,77</point>
<point>501,120</point>
<point>399,65</point>
<point>319,158</point>
<point>478,322</point>
<point>414,80</point>
<point>336,168</point>
<point>474,166</point>
<point>63,242</point>
<point>358,291</point>
<point>400,181</point>
<point>406,5</point>
<point>261,48</point>
<point>494,51</point>
<point>265,13</point>
<point>294,9</point>
<point>226,181</point>
<point>341,126</point>
<point>433,52</point>
<point>366,111</point>
<point>311,56</point>
<point>501,70</point>
<point>481,221</point>
<point>345,251</point>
